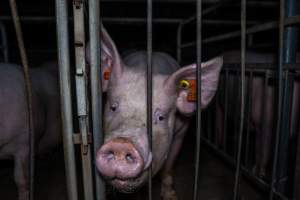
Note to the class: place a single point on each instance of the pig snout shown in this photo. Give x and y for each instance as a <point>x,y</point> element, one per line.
<point>120,159</point>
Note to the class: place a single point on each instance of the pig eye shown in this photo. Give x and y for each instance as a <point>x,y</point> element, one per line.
<point>114,106</point>
<point>159,116</point>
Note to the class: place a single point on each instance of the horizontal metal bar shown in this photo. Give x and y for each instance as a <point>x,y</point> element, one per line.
<point>131,20</point>
<point>116,20</point>
<point>260,184</point>
<point>259,28</point>
<point>260,66</point>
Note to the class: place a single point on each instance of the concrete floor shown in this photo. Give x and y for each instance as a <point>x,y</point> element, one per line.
<point>216,181</point>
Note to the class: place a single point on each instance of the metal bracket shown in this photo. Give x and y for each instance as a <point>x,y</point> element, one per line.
<point>77,139</point>
<point>78,4</point>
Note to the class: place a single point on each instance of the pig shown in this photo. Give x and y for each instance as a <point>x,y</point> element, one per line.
<point>125,156</point>
<point>14,135</point>
<point>264,130</point>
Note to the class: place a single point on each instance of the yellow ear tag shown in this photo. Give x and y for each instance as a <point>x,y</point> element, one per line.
<point>190,86</point>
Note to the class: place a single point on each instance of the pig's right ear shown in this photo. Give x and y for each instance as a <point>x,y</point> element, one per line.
<point>183,83</point>
<point>111,63</point>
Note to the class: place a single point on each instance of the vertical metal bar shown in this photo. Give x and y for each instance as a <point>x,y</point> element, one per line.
<point>296,192</point>
<point>198,81</point>
<point>249,112</point>
<point>179,41</point>
<point>283,156</point>
<point>149,89</point>
<point>96,89</point>
<point>226,108</point>
<point>243,61</point>
<point>279,105</point>
<point>28,89</point>
<point>236,113</point>
<point>65,95</point>
<point>290,38</point>
<point>4,42</point>
<point>81,94</point>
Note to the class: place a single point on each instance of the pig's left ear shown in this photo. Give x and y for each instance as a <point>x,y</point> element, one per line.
<point>111,63</point>
<point>182,83</point>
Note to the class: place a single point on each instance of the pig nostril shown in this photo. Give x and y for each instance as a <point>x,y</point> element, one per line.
<point>110,155</point>
<point>129,158</point>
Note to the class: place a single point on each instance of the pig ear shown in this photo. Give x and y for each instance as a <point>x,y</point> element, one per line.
<point>185,102</point>
<point>111,63</point>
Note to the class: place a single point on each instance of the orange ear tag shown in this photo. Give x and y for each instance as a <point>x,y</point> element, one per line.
<point>106,73</point>
<point>190,86</point>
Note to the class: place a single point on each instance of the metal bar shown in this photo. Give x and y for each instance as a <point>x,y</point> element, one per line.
<point>258,183</point>
<point>226,109</point>
<point>283,156</point>
<point>131,20</point>
<point>65,95</point>
<point>207,11</point>
<point>149,89</point>
<point>279,105</point>
<point>236,113</point>
<point>179,41</point>
<point>263,140</point>
<point>81,94</point>
<point>96,90</point>
<point>28,89</point>
<point>248,120</point>
<point>115,20</point>
<point>260,67</point>
<point>4,46</point>
<point>198,105</point>
<point>296,192</point>
<point>243,63</point>
<point>255,29</point>
<point>290,38</point>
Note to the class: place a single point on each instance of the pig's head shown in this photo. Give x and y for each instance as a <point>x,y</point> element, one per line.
<point>125,156</point>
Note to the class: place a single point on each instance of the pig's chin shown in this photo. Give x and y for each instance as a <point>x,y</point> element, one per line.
<point>129,185</point>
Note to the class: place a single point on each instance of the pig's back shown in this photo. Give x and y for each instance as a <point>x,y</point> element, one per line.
<point>162,62</point>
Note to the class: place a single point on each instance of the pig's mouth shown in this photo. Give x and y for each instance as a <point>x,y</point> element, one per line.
<point>129,185</point>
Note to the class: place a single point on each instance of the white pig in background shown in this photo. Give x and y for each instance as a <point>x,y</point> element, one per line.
<point>125,156</point>
<point>14,136</point>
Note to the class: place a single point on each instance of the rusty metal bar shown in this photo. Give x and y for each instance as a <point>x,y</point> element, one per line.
<point>198,105</point>
<point>149,89</point>
<point>81,95</point>
<point>65,95</point>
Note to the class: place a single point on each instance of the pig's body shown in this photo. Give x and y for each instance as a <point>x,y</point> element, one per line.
<point>262,115</point>
<point>14,136</point>
<point>125,156</point>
